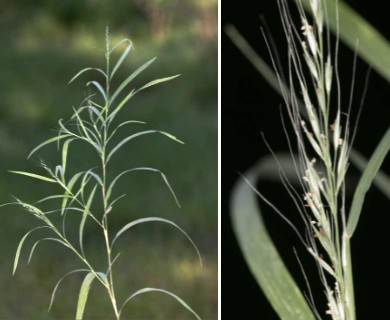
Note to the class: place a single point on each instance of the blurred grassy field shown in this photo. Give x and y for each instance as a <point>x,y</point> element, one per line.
<point>43,46</point>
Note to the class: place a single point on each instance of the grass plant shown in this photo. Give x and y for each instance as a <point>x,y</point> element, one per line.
<point>92,193</point>
<point>320,152</point>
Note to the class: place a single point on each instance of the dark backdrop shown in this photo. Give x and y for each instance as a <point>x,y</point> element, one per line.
<point>249,107</point>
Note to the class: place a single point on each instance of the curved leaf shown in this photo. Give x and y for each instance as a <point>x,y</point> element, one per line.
<point>17,255</point>
<point>112,184</point>
<point>145,290</point>
<point>154,219</point>
<point>259,250</point>
<point>135,135</point>
<point>121,59</point>
<point>58,283</point>
<point>83,295</point>
<point>98,86</point>
<point>130,78</point>
<point>46,142</point>
<point>366,180</point>
<point>44,239</point>
<point>381,181</point>
<point>157,81</point>
<point>87,69</point>
<point>84,218</point>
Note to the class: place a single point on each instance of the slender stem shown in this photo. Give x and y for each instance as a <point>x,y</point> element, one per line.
<point>349,289</point>
<point>110,288</point>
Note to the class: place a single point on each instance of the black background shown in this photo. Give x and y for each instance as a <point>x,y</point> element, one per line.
<point>249,107</point>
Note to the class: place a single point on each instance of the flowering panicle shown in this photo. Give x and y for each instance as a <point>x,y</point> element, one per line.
<point>322,176</point>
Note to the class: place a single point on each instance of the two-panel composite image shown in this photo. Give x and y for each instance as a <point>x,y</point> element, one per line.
<point>197,159</point>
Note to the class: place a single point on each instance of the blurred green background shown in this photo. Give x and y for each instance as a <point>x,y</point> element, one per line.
<point>43,44</point>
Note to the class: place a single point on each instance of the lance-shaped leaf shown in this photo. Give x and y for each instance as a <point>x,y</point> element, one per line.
<point>86,211</point>
<point>258,248</point>
<point>366,180</point>
<point>157,81</point>
<point>121,59</point>
<point>154,219</point>
<point>58,283</point>
<point>135,135</point>
<point>20,245</point>
<point>44,239</point>
<point>145,290</point>
<point>35,176</point>
<point>112,184</point>
<point>46,142</point>
<point>85,70</point>
<point>381,181</point>
<point>83,295</point>
<point>130,78</point>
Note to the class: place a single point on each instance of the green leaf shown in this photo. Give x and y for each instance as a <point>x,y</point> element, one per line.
<point>119,43</point>
<point>135,135</point>
<point>68,191</point>
<point>83,295</point>
<point>258,248</point>
<point>355,30</point>
<point>95,176</point>
<point>65,149</point>
<point>381,181</point>
<point>130,78</point>
<point>366,180</point>
<point>58,283</point>
<point>120,106</point>
<point>98,86</point>
<point>112,184</point>
<point>157,81</point>
<point>121,59</point>
<point>145,290</point>
<point>154,219</point>
<point>56,196</point>
<point>44,239</point>
<point>87,69</point>
<point>35,176</point>
<point>84,218</point>
<point>121,125</point>
<point>19,248</point>
<point>57,138</point>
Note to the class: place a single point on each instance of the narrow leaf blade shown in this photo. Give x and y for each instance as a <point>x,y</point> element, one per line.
<point>46,142</point>
<point>84,218</point>
<point>121,59</point>
<point>85,70</point>
<point>135,135</point>
<point>83,295</point>
<point>157,81</point>
<point>260,252</point>
<point>366,180</point>
<point>35,176</point>
<point>130,78</point>
<point>145,290</point>
<point>155,219</point>
<point>58,283</point>
<point>20,245</point>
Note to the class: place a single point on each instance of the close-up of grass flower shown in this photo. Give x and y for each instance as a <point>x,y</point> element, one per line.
<point>320,120</point>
